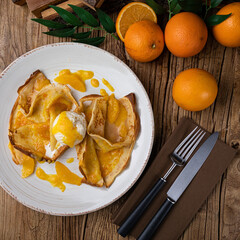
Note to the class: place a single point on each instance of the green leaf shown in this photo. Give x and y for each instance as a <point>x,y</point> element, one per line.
<point>106,21</point>
<point>67,32</point>
<point>194,6</point>
<point>215,3</point>
<point>85,16</point>
<point>92,41</point>
<point>176,9</point>
<point>49,23</point>
<point>81,35</point>
<point>158,9</point>
<point>173,4</point>
<point>67,16</point>
<point>216,19</point>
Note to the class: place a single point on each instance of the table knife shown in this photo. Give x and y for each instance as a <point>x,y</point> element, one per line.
<point>180,185</point>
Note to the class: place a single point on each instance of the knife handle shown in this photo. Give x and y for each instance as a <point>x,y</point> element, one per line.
<point>132,219</point>
<point>156,220</point>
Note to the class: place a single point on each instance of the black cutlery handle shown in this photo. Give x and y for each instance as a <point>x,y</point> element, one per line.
<point>156,220</point>
<point>130,222</point>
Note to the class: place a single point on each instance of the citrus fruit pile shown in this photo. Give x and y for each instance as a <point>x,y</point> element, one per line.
<point>137,26</point>
<point>185,35</point>
<point>131,13</point>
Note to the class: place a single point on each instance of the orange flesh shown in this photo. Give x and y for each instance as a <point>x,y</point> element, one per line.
<point>66,175</point>
<point>108,85</point>
<point>52,178</point>
<point>131,13</point>
<point>75,80</point>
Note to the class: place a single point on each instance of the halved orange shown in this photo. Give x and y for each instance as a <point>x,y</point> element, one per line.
<point>131,13</point>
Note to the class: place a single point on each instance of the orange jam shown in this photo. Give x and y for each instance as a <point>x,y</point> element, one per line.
<point>52,178</point>
<point>27,162</point>
<point>94,82</point>
<point>70,160</point>
<point>66,175</point>
<point>121,121</point>
<point>113,109</point>
<point>103,92</point>
<point>108,85</point>
<point>28,166</point>
<point>117,115</point>
<point>76,80</point>
<point>65,126</point>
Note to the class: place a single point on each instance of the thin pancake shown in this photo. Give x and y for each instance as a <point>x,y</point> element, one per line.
<point>33,113</point>
<point>88,162</point>
<point>115,140</point>
<point>131,123</point>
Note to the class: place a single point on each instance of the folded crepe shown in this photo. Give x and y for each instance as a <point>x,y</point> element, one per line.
<point>113,127</point>
<point>32,116</point>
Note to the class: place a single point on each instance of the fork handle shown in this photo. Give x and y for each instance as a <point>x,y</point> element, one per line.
<point>133,218</point>
<point>151,228</point>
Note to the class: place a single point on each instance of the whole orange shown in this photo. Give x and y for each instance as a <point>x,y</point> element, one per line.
<point>194,89</point>
<point>185,34</point>
<point>227,32</point>
<point>144,41</point>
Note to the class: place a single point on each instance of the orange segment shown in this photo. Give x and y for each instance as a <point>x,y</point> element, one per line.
<point>131,13</point>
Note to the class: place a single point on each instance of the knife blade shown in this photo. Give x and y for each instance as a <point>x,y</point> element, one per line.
<point>180,185</point>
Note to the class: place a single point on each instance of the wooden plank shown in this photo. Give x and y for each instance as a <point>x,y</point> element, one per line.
<point>230,198</point>
<point>52,14</point>
<point>89,5</point>
<point>19,2</point>
<point>37,6</point>
<point>99,225</point>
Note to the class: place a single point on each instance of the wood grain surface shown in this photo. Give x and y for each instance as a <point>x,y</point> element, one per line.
<point>219,217</point>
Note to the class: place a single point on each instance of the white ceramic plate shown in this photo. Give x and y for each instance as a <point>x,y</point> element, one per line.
<point>40,195</point>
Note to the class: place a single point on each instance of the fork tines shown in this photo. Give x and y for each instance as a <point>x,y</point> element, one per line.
<point>189,144</point>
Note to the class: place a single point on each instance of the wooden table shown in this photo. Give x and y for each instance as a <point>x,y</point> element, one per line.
<point>219,217</point>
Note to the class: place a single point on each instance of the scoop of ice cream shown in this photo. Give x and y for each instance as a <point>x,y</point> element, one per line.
<point>69,128</point>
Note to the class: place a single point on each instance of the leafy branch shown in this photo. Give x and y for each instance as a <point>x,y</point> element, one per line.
<point>83,19</point>
<point>155,6</point>
<point>174,8</point>
<point>195,6</point>
<point>214,19</point>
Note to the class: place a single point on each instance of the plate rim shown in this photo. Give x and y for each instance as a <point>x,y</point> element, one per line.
<point>151,116</point>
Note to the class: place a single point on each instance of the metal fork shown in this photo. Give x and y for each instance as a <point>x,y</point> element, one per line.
<point>179,156</point>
